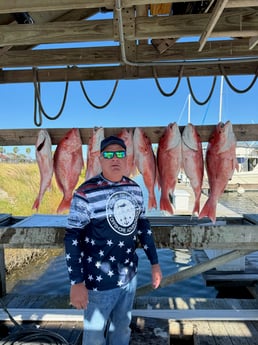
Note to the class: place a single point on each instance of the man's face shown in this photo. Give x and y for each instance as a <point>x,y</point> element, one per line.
<point>114,165</point>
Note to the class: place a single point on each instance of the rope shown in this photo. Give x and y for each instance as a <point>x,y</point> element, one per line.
<point>209,96</point>
<point>95,105</point>
<point>27,335</point>
<point>177,84</point>
<point>222,71</point>
<point>37,101</point>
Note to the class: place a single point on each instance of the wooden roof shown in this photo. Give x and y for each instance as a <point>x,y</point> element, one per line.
<point>128,39</point>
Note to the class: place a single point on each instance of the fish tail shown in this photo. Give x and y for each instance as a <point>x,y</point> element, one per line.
<point>165,204</point>
<point>152,203</point>
<point>36,204</point>
<point>196,208</point>
<point>64,205</point>
<point>209,210</point>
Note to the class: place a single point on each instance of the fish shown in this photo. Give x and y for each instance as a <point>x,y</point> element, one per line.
<point>68,163</point>
<point>93,163</point>
<point>146,164</point>
<point>169,159</point>
<point>45,163</point>
<point>220,164</point>
<point>127,136</point>
<point>193,162</point>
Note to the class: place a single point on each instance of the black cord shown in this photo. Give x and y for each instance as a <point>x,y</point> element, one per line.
<point>29,334</point>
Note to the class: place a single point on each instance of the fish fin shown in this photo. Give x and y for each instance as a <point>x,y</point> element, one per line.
<point>236,166</point>
<point>152,203</point>
<point>196,208</point>
<point>36,204</point>
<point>64,205</point>
<point>165,204</point>
<point>209,210</point>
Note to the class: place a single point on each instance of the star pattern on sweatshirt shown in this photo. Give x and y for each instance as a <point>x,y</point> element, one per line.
<point>102,260</point>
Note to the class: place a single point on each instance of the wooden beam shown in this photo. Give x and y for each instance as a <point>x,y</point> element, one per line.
<point>21,137</point>
<point>13,6</point>
<point>121,72</point>
<point>253,42</point>
<point>216,13</point>
<point>195,270</point>
<point>111,54</point>
<point>192,25</point>
<point>58,32</point>
<point>145,27</point>
<point>51,234</point>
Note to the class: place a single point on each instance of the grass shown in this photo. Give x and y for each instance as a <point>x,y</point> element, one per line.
<point>19,187</point>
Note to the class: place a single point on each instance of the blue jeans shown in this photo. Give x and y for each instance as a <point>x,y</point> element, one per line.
<point>108,316</point>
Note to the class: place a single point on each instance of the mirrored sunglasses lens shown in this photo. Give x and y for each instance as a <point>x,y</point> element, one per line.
<point>108,155</point>
<point>120,154</point>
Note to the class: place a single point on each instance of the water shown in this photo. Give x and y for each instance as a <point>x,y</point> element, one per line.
<point>52,278</point>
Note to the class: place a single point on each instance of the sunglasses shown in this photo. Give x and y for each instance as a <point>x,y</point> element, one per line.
<point>111,154</point>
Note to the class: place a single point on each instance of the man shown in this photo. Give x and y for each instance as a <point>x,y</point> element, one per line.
<point>106,218</point>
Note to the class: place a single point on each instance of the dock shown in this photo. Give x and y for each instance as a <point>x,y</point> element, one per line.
<point>162,320</point>
<point>156,320</point>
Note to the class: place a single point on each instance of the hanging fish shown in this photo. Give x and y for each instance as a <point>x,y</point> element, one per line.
<point>193,164</point>
<point>45,163</point>
<point>145,162</point>
<point>68,163</point>
<point>169,158</point>
<point>93,164</point>
<point>127,136</point>
<point>221,163</point>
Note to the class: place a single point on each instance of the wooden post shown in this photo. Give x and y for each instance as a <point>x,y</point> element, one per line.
<point>2,272</point>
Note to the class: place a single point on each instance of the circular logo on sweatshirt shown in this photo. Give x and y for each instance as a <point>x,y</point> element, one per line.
<point>122,212</point>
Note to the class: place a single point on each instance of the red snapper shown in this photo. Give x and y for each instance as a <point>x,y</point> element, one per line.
<point>93,163</point>
<point>68,163</point>
<point>145,161</point>
<point>193,162</point>
<point>45,163</point>
<point>169,157</point>
<point>220,164</point>
<point>127,136</point>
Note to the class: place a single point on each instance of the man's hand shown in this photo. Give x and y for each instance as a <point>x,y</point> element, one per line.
<point>156,276</point>
<point>79,296</point>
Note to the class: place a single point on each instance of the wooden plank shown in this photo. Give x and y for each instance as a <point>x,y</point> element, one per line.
<point>167,70</point>
<point>160,9</point>
<point>57,32</point>
<point>219,333</point>
<point>156,27</point>
<point>54,5</point>
<point>28,136</point>
<point>215,16</point>
<point>169,48</point>
<point>229,236</point>
<point>13,6</point>
<point>194,270</point>
<point>202,334</point>
<point>237,332</point>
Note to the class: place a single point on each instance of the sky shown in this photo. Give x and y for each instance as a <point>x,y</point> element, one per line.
<point>135,103</point>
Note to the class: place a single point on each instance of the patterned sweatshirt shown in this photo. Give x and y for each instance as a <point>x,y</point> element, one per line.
<point>105,221</point>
